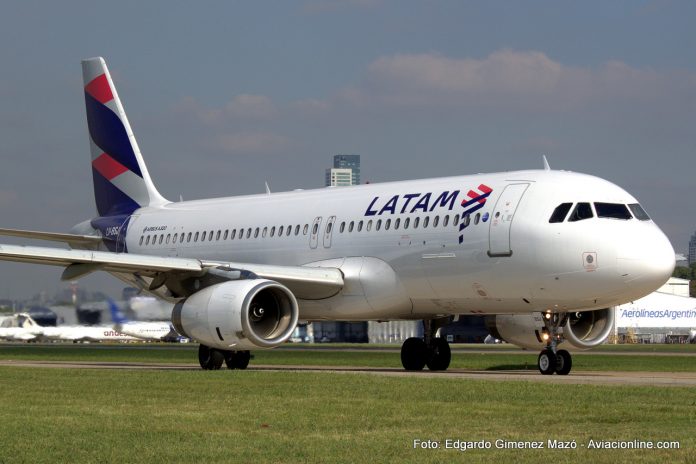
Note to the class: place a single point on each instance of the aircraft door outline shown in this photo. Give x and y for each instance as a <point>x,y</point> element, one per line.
<point>328,231</point>
<point>501,221</point>
<point>314,237</point>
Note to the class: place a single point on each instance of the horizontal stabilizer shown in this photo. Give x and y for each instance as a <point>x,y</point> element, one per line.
<point>71,239</point>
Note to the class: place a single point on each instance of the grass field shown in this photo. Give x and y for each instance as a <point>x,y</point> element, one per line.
<point>491,359</point>
<point>63,415</point>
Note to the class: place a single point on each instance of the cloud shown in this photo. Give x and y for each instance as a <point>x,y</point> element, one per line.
<point>241,108</point>
<point>528,80</point>
<point>250,143</point>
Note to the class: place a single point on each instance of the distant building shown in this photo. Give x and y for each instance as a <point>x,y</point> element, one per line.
<point>339,177</point>
<point>351,162</point>
<point>692,250</point>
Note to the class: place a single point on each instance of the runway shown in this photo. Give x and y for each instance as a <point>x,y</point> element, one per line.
<point>666,379</point>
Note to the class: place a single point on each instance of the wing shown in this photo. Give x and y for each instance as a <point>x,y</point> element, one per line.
<point>304,281</point>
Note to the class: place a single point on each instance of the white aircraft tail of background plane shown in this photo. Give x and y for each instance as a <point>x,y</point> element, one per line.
<point>144,330</point>
<point>543,254</point>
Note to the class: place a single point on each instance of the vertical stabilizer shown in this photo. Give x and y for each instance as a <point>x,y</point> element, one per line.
<point>122,183</point>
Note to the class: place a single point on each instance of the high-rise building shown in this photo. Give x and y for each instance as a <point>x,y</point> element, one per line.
<point>692,249</point>
<point>349,162</point>
<point>339,177</point>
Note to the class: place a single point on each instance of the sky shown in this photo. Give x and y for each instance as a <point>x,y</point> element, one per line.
<point>224,96</point>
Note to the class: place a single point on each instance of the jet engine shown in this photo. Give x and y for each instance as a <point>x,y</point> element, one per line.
<point>238,315</point>
<point>583,330</point>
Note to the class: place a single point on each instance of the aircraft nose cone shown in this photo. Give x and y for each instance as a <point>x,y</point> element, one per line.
<point>647,260</point>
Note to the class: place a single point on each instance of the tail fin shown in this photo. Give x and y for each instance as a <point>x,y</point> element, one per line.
<point>117,316</point>
<point>122,183</point>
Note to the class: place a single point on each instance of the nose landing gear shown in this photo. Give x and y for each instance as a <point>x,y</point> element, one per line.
<point>551,359</point>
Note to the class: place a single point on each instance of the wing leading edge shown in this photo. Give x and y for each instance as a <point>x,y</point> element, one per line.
<point>304,281</point>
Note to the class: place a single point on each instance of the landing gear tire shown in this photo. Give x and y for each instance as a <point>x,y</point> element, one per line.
<point>440,355</point>
<point>209,358</point>
<point>414,354</point>
<point>564,362</point>
<point>546,362</point>
<point>237,359</point>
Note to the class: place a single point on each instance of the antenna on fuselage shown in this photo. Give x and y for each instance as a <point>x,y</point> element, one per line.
<point>268,189</point>
<point>546,163</point>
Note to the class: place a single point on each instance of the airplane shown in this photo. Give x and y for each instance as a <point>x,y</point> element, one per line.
<point>138,329</point>
<point>20,327</point>
<point>542,253</point>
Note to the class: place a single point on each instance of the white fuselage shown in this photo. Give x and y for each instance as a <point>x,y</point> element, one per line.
<point>509,258</point>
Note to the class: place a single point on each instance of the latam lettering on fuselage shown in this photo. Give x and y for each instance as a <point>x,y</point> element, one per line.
<point>445,200</point>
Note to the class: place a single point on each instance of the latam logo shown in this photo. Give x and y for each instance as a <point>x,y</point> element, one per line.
<point>475,201</point>
<point>411,203</point>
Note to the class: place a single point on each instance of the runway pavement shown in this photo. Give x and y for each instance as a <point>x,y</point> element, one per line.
<point>674,379</point>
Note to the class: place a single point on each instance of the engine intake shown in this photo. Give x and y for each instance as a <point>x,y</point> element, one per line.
<point>584,330</point>
<point>240,315</point>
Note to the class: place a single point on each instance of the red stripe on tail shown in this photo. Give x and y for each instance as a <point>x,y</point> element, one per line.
<point>99,89</point>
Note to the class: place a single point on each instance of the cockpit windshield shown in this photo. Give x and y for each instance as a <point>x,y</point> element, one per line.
<point>638,212</point>
<point>581,211</point>
<point>612,211</point>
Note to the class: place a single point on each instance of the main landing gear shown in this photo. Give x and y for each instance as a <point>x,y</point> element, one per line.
<point>431,351</point>
<point>211,358</point>
<point>551,359</point>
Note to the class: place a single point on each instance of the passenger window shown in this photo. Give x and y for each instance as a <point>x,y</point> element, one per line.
<point>360,226</point>
<point>248,234</point>
<point>297,230</point>
<point>559,214</point>
<point>379,224</point>
<point>407,221</point>
<point>210,236</point>
<point>612,211</point>
<point>426,220</point>
<point>416,222</point>
<point>142,237</point>
<point>477,218</point>
<point>436,221</point>
<point>397,223</point>
<point>272,231</point>
<point>638,212</point>
<point>227,233</point>
<point>387,224</point>
<point>343,226</point>
<point>234,234</point>
<point>256,232</point>
<point>217,236</point>
<point>203,236</point>
<point>147,242</point>
<point>280,231</point>
<point>329,227</point>
<point>181,239</point>
<point>315,228</point>
<point>195,238</point>
<point>305,229</point>
<point>265,231</point>
<point>466,220</point>
<point>288,230</point>
<point>161,239</point>
<point>582,211</point>
<point>455,221</point>
<point>188,237</point>
<point>350,226</point>
<point>445,221</point>
<point>369,225</point>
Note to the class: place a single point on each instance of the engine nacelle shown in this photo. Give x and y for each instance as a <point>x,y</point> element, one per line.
<point>584,330</point>
<point>238,315</point>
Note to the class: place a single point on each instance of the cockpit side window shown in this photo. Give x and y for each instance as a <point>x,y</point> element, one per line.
<point>560,213</point>
<point>638,212</point>
<point>612,211</point>
<point>581,211</point>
